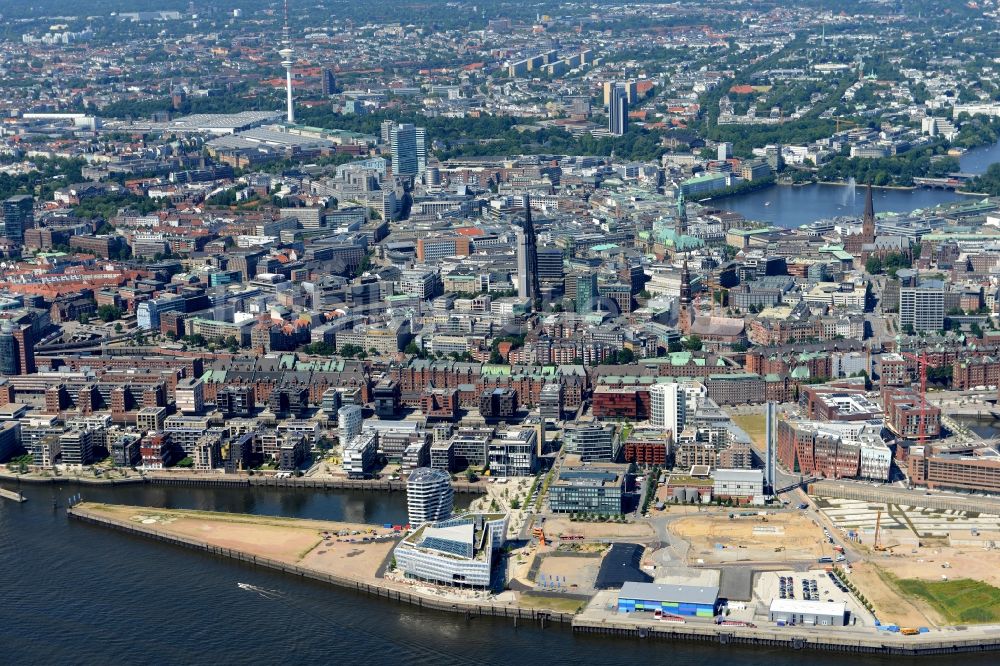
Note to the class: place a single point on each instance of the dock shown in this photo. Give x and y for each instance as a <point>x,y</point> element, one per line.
<point>12,496</point>
<point>827,640</point>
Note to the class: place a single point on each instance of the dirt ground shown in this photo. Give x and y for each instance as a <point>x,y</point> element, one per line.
<point>555,526</point>
<point>890,606</point>
<point>782,538</point>
<point>576,574</point>
<point>927,564</point>
<point>288,540</point>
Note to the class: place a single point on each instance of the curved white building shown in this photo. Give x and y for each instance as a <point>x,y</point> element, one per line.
<point>429,496</point>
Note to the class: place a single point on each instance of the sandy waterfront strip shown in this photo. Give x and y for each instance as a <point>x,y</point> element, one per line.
<point>322,545</point>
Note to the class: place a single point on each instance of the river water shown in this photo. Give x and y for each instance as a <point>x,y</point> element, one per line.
<point>79,594</point>
<point>790,206</point>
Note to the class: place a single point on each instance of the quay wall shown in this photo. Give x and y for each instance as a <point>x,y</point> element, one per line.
<point>786,638</point>
<point>208,481</point>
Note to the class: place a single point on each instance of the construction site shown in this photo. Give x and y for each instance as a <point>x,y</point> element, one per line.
<point>917,561</point>
<point>750,536</point>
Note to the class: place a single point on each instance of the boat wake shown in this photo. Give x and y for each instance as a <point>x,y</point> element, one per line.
<point>263,592</point>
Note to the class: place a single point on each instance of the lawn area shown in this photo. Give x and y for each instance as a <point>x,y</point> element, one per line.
<point>560,604</point>
<point>755,426</point>
<point>962,601</point>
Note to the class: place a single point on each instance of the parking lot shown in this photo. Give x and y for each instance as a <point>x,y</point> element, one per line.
<point>813,585</point>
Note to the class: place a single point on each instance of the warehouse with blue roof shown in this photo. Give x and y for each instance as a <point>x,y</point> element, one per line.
<point>688,600</point>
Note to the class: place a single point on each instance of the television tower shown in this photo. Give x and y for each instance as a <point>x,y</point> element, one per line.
<point>287,61</point>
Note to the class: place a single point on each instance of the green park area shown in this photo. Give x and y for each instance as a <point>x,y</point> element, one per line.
<point>755,426</point>
<point>961,601</point>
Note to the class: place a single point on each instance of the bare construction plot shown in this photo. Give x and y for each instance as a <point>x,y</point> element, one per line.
<point>784,537</point>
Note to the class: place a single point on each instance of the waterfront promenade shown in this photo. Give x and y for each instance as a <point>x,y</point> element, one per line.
<point>231,481</point>
<point>600,616</point>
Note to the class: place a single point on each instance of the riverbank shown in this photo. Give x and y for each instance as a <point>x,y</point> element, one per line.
<point>179,528</point>
<point>845,183</point>
<point>231,481</point>
<point>309,551</point>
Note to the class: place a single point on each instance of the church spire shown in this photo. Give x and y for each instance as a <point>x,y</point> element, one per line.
<point>868,221</point>
<point>681,225</point>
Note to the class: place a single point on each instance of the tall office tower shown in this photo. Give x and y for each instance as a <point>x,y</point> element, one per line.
<point>287,54</point>
<point>527,256</point>
<point>922,307</point>
<point>618,111</point>
<point>18,215</point>
<point>550,264</point>
<point>725,151</point>
<point>385,133</point>
<point>329,83</point>
<point>586,292</point>
<point>421,141</point>
<point>632,90</point>
<point>429,496</point>
<point>409,150</point>
<point>17,350</point>
<point>667,408</point>
<point>9,360</point>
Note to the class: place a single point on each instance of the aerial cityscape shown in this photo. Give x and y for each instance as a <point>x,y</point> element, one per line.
<point>599,331</point>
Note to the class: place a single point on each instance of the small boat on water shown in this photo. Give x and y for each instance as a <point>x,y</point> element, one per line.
<point>267,594</point>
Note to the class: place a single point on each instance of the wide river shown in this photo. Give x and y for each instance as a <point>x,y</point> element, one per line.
<point>789,206</point>
<point>79,594</point>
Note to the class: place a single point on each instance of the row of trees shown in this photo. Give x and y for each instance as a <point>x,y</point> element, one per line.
<point>987,183</point>
<point>106,206</point>
<point>928,162</point>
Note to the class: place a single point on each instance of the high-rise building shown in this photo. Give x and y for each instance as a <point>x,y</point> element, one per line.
<point>329,83</point>
<point>618,111</point>
<point>921,308</point>
<point>9,360</point>
<point>18,215</point>
<point>586,292</point>
<point>409,150</point>
<point>527,257</point>
<point>385,131</point>
<point>725,151</point>
<point>550,264</point>
<point>667,408</point>
<point>190,396</point>
<point>773,157</point>
<point>429,496</point>
<point>349,418</point>
<point>593,442</point>
<point>17,350</point>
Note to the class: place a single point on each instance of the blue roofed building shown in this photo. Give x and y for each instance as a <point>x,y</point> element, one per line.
<point>685,600</point>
